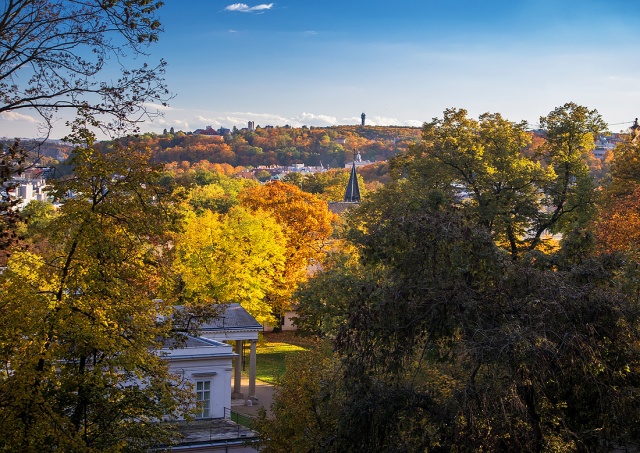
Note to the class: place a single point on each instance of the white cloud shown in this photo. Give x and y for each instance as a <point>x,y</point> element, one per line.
<point>312,119</point>
<point>240,119</point>
<point>310,33</point>
<point>382,121</point>
<point>244,8</point>
<point>13,116</point>
<point>160,107</point>
<point>182,124</point>
<point>175,123</point>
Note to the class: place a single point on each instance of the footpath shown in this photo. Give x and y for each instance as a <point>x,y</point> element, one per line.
<point>264,393</point>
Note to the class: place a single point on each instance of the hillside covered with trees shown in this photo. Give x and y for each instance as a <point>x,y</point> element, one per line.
<point>283,146</point>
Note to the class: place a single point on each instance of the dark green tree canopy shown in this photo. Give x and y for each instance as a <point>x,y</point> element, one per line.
<point>452,338</point>
<point>459,346</point>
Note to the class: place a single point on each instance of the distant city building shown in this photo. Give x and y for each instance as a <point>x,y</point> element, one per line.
<point>251,126</point>
<point>208,131</point>
<point>31,185</point>
<point>246,174</point>
<point>224,131</point>
<point>604,144</point>
<point>358,162</point>
<point>341,140</point>
<point>363,116</point>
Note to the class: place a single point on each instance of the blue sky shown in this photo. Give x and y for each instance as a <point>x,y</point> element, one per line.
<point>402,63</point>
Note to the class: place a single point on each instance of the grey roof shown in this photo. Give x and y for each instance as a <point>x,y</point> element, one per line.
<point>188,341</point>
<point>232,317</point>
<point>339,207</point>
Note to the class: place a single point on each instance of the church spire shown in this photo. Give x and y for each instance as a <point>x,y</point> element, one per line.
<point>352,194</point>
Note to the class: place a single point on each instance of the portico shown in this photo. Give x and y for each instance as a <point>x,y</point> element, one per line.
<point>235,324</point>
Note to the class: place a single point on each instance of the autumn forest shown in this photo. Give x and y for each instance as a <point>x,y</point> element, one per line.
<point>482,295</point>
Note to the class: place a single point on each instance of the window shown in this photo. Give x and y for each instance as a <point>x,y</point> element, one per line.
<point>203,393</point>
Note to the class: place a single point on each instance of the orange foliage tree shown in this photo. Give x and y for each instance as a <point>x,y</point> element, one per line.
<point>618,227</point>
<point>619,224</point>
<point>307,224</point>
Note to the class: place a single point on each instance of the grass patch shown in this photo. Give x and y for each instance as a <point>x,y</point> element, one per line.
<point>270,359</point>
<point>272,351</point>
<point>242,419</point>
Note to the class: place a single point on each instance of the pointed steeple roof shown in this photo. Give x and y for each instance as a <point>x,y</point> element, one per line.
<point>352,194</point>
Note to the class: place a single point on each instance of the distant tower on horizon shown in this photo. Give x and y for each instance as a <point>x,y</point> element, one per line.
<point>363,116</point>
<point>252,125</point>
<point>635,129</point>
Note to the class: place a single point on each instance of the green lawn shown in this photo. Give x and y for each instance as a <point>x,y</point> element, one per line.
<point>270,359</point>
<point>271,353</point>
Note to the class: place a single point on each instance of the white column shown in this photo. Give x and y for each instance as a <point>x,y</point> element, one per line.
<point>252,371</point>
<point>237,372</point>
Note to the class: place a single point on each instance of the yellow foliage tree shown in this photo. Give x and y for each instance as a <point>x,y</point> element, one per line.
<point>233,257</point>
<point>79,326</point>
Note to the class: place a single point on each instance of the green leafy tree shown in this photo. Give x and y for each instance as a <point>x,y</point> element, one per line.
<point>484,165</point>
<point>37,217</point>
<point>80,320</point>
<point>263,175</point>
<point>322,303</point>
<point>481,161</point>
<point>570,193</point>
<point>458,347</point>
<point>305,402</point>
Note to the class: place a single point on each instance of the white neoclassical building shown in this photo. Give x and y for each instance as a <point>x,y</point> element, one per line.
<point>209,364</point>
